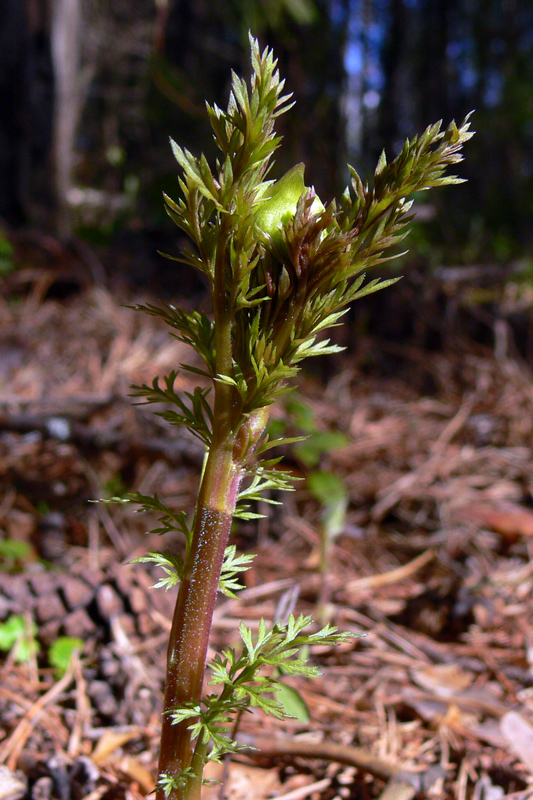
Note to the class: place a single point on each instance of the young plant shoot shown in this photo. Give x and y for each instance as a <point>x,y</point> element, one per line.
<point>282,268</point>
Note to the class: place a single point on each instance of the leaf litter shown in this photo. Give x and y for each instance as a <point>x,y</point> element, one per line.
<point>433,564</point>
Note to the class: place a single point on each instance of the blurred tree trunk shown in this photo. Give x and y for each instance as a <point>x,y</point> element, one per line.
<point>432,69</point>
<point>14,38</point>
<point>414,62</point>
<point>66,40</point>
<point>391,61</point>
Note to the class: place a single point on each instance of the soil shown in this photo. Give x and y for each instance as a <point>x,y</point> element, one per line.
<point>433,561</point>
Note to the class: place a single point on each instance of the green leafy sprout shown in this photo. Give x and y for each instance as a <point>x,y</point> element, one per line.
<point>61,651</point>
<point>282,268</point>
<point>14,554</point>
<point>245,684</point>
<point>7,252</point>
<point>18,634</point>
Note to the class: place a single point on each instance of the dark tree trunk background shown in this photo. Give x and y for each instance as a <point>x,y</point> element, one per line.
<point>150,70</point>
<point>14,91</point>
<point>26,100</point>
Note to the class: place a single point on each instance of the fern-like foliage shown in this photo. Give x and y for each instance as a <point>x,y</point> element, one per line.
<point>231,566</point>
<point>245,683</point>
<point>173,569</point>
<point>284,287</point>
<point>196,414</point>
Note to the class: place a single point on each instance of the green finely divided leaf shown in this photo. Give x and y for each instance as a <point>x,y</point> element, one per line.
<point>244,683</point>
<point>173,568</point>
<point>232,565</point>
<point>263,480</point>
<point>171,782</point>
<point>280,304</point>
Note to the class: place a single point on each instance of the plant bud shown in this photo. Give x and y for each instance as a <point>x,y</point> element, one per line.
<point>278,203</point>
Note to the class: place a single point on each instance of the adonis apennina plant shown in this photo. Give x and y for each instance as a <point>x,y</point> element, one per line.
<point>282,268</point>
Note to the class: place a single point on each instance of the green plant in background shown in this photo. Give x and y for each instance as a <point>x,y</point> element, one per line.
<point>330,491</point>
<point>316,442</point>
<point>61,651</point>
<point>14,554</point>
<point>282,268</point>
<point>332,494</point>
<point>327,488</point>
<point>19,633</point>
<point>7,264</point>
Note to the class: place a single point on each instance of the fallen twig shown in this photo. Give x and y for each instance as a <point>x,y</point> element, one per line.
<point>402,785</point>
<point>13,746</point>
<point>394,575</point>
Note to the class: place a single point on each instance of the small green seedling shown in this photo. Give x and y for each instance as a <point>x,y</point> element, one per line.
<point>282,268</point>
<point>331,492</point>
<point>7,264</point>
<point>315,442</point>
<point>13,554</point>
<point>61,651</point>
<point>18,634</point>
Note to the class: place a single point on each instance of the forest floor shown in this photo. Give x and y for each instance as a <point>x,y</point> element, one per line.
<point>433,564</point>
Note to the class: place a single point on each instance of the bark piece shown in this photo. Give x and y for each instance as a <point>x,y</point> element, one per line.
<point>145,624</point>
<point>49,632</point>
<point>42,788</point>
<point>76,592</point>
<point>103,698</point>
<point>519,734</point>
<point>138,600</point>
<point>49,607</point>
<point>15,587</point>
<point>6,607</point>
<point>44,583</point>
<point>108,601</point>
<point>510,520</point>
<point>124,577</point>
<point>94,577</point>
<point>127,624</point>
<point>78,623</point>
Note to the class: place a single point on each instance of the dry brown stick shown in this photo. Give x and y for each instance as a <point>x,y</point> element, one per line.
<point>83,709</point>
<point>76,406</point>
<point>394,575</point>
<point>493,708</point>
<point>13,746</point>
<point>304,791</point>
<point>52,726</point>
<point>405,784</point>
